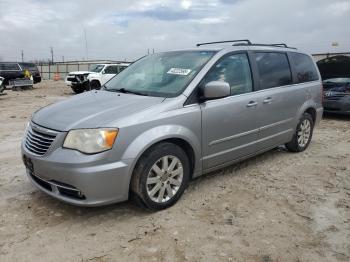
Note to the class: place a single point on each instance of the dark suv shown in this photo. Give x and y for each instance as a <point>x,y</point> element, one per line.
<point>12,70</point>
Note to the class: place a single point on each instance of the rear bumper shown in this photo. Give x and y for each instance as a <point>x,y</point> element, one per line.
<point>341,106</point>
<point>88,182</point>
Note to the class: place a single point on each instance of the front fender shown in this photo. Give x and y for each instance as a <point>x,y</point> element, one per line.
<point>154,135</point>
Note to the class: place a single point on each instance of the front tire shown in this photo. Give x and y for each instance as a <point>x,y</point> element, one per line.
<point>161,176</point>
<point>95,85</point>
<point>78,89</point>
<point>303,134</point>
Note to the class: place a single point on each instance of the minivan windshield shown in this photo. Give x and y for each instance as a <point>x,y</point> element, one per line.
<point>163,74</point>
<point>96,68</point>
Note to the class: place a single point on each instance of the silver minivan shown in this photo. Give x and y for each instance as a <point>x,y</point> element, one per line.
<point>170,117</point>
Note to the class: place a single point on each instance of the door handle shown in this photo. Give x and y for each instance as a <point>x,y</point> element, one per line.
<point>268,100</point>
<point>252,104</point>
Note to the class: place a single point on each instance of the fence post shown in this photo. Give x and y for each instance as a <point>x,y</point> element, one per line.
<point>49,71</point>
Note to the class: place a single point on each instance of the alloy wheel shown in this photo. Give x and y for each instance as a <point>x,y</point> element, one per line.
<point>164,179</point>
<point>304,133</point>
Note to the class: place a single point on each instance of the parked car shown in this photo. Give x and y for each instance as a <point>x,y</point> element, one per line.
<point>170,117</point>
<point>10,71</point>
<point>335,72</point>
<point>97,76</point>
<point>15,73</point>
<point>33,69</point>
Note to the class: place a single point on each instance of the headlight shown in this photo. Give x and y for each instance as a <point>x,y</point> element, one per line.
<point>91,141</point>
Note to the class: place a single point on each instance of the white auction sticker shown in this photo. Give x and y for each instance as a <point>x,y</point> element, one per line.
<point>179,71</point>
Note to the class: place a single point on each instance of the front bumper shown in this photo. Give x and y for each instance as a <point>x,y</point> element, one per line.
<point>337,105</point>
<point>84,180</point>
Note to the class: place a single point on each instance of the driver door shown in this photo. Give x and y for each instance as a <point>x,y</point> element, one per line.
<point>109,72</point>
<point>230,125</point>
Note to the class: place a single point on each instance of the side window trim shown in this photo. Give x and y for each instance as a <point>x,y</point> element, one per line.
<point>257,71</point>
<point>193,98</point>
<point>292,68</point>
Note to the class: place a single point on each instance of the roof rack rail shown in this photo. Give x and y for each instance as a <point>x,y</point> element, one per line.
<point>228,41</point>
<point>274,45</point>
<point>245,42</point>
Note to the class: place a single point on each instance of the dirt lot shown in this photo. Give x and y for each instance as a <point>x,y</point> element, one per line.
<point>278,206</point>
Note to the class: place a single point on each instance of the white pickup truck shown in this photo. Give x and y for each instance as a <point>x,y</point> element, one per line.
<point>97,76</point>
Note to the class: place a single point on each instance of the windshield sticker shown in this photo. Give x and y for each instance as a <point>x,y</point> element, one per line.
<point>179,71</point>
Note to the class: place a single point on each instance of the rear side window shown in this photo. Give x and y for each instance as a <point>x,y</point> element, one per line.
<point>273,69</point>
<point>9,66</point>
<point>304,67</point>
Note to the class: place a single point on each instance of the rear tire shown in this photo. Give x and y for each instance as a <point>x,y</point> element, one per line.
<point>160,176</point>
<point>303,134</point>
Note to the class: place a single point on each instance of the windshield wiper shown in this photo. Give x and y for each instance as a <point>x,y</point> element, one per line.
<point>123,90</point>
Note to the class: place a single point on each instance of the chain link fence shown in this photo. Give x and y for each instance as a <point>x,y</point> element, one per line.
<point>49,70</point>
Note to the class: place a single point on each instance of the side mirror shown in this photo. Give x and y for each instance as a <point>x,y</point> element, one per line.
<point>103,72</point>
<point>216,89</point>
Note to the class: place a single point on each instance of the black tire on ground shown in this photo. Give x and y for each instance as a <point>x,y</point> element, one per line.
<point>95,85</point>
<point>142,171</point>
<point>78,89</point>
<point>2,88</point>
<point>296,146</point>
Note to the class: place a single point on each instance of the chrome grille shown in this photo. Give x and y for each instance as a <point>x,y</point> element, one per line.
<point>38,142</point>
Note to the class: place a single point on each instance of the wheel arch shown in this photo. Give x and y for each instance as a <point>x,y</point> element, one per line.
<point>178,135</point>
<point>312,112</point>
<point>308,107</point>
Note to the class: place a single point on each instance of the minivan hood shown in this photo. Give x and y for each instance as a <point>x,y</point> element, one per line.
<point>92,109</point>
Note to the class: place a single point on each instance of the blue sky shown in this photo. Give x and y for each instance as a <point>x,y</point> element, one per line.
<point>126,29</point>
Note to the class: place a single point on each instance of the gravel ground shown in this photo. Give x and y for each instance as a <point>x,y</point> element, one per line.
<point>278,206</point>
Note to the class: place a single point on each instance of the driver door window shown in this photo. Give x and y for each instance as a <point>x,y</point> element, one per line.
<point>235,70</point>
<point>111,70</point>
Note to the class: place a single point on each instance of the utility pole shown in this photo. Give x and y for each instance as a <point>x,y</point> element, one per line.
<point>51,50</point>
<point>153,50</point>
<point>63,58</point>
<point>22,56</point>
<point>86,46</point>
